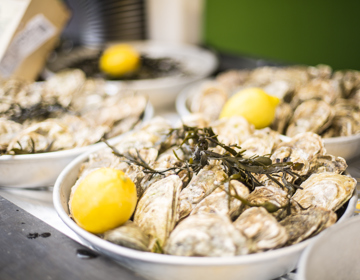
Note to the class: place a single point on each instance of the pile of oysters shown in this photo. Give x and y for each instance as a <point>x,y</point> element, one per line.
<point>64,112</point>
<point>314,99</point>
<point>203,212</point>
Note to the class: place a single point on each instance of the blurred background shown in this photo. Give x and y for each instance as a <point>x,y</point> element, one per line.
<point>245,34</point>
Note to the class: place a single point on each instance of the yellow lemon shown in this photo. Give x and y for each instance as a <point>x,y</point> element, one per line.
<point>253,104</point>
<point>103,200</point>
<point>118,60</point>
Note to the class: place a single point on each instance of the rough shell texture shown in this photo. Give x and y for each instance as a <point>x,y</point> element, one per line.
<point>261,229</point>
<point>155,212</point>
<point>312,221</point>
<point>205,234</point>
<point>328,190</point>
<point>128,235</point>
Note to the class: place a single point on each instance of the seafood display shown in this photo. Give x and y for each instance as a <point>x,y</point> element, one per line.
<point>64,112</point>
<point>200,193</point>
<point>314,99</point>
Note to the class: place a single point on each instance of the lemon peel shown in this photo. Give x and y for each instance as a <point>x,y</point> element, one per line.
<point>119,60</point>
<point>254,104</point>
<point>103,200</point>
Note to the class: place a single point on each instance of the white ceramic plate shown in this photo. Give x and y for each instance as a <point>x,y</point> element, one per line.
<point>41,170</point>
<point>260,266</point>
<point>334,254</point>
<point>162,91</point>
<point>347,147</point>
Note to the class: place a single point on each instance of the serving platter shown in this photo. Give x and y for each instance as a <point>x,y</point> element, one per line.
<point>265,265</point>
<point>347,147</point>
<point>41,170</point>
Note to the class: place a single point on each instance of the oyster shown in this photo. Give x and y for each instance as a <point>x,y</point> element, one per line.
<point>270,193</point>
<point>200,186</point>
<point>310,143</point>
<point>64,86</point>
<point>206,235</point>
<point>311,115</point>
<point>261,142</point>
<point>155,213</point>
<point>46,136</point>
<point>232,79</point>
<point>324,89</point>
<point>8,130</point>
<point>128,235</point>
<point>312,221</point>
<point>327,190</point>
<point>261,229</point>
<point>283,115</point>
<point>219,201</point>
<point>234,130</point>
<point>327,163</point>
<point>209,100</point>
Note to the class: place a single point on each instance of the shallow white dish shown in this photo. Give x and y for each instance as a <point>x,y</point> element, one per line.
<point>162,91</point>
<point>41,170</point>
<point>334,254</point>
<point>261,266</point>
<point>347,147</point>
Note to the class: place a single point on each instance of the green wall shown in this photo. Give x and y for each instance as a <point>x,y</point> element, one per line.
<point>289,31</point>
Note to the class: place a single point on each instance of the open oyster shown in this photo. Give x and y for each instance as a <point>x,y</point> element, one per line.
<point>327,163</point>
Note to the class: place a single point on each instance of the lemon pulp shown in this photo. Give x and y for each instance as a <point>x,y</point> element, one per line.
<point>119,60</point>
<point>254,104</point>
<point>103,200</point>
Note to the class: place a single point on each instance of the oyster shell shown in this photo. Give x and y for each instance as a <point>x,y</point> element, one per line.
<point>327,163</point>
<point>46,136</point>
<point>283,116</point>
<point>8,130</point>
<point>200,186</point>
<point>312,221</point>
<point>311,115</point>
<point>219,201</point>
<point>155,213</point>
<point>310,143</point>
<point>234,130</point>
<point>209,100</point>
<point>128,235</point>
<point>327,190</point>
<point>326,90</point>
<point>206,235</point>
<point>261,229</point>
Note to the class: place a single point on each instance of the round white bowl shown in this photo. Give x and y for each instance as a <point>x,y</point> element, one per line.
<point>260,266</point>
<point>334,254</point>
<point>347,147</point>
<point>162,91</point>
<point>41,170</point>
